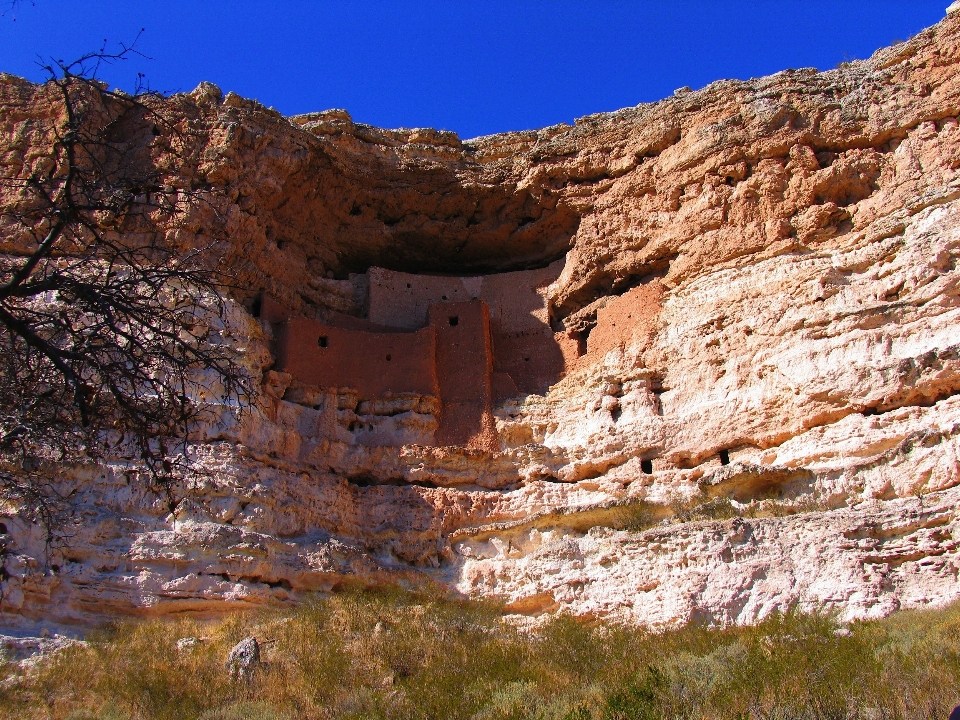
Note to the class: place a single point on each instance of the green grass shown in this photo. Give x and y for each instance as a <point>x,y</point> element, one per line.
<point>395,655</point>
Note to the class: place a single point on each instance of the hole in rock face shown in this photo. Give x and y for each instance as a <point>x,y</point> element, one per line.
<point>454,320</point>
<point>322,341</point>
<point>362,480</point>
<point>826,158</point>
<point>3,528</point>
<point>581,344</point>
<point>443,297</point>
<point>724,457</point>
<point>646,466</point>
<point>408,285</point>
<point>367,480</point>
<point>283,584</point>
<point>389,358</point>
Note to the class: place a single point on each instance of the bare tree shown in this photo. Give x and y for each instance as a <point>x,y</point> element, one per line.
<point>108,323</point>
<point>10,7</point>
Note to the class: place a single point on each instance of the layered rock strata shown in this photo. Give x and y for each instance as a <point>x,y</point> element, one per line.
<point>759,403</point>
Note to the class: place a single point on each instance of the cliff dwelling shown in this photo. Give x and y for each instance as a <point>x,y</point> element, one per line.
<point>576,369</point>
<point>440,350</point>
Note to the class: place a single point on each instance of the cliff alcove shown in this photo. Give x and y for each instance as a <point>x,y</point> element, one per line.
<point>721,379</point>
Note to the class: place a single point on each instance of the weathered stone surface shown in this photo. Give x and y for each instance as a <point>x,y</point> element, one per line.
<point>244,660</point>
<point>760,299</point>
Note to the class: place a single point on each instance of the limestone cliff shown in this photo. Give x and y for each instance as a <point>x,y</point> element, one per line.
<point>759,404</point>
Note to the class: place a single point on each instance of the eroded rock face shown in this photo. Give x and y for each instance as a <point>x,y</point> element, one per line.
<point>761,294</point>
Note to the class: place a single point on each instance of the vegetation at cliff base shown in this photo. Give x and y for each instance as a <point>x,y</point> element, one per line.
<point>394,655</point>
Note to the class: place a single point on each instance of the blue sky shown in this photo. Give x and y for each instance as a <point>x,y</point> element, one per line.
<point>473,66</point>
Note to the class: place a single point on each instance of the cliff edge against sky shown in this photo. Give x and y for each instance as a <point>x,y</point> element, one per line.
<point>757,299</point>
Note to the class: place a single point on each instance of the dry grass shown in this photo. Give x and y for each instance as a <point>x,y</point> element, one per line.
<point>395,655</point>
<point>641,515</point>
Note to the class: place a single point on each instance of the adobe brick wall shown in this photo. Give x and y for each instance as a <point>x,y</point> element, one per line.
<point>633,314</point>
<point>349,322</point>
<point>515,299</point>
<point>273,311</point>
<point>403,300</point>
<point>533,359</point>
<point>524,345</point>
<point>373,363</point>
<point>464,373</point>
<point>450,358</point>
<point>500,346</point>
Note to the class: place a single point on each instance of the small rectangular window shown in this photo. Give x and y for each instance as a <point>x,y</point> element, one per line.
<point>454,320</point>
<point>322,341</point>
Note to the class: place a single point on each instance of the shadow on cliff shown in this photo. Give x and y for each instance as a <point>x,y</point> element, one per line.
<point>334,205</point>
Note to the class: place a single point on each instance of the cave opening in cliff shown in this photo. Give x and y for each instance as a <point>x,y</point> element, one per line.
<point>436,222</point>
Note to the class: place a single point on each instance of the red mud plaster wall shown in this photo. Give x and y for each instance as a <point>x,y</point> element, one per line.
<point>528,357</point>
<point>272,311</point>
<point>632,315</point>
<point>464,370</point>
<point>524,345</point>
<point>403,300</point>
<point>533,360</point>
<point>373,363</point>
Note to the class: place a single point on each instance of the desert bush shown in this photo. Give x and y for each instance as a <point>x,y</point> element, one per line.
<point>399,655</point>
